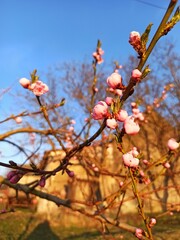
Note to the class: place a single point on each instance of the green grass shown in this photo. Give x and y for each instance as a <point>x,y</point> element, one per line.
<point>23,225</point>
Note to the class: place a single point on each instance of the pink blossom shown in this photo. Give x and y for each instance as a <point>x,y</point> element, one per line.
<point>129,160</point>
<point>141,173</point>
<point>166,165</point>
<point>96,169</point>
<point>109,101</point>
<point>139,233</point>
<point>122,115</point>
<point>133,104</point>
<point>98,55</point>
<point>147,181</point>
<point>140,116</point>
<point>121,184</point>
<point>18,120</point>
<point>114,80</point>
<point>152,222</point>
<point>25,83</point>
<point>71,129</point>
<point>73,121</point>
<point>100,51</point>
<point>39,88</point>
<point>172,144</point>
<point>111,123</point>
<point>135,110</point>
<point>130,126</point>
<point>96,89</point>
<point>136,74</point>
<point>100,111</point>
<point>111,90</point>
<point>118,92</point>
<point>146,162</point>
<point>134,152</point>
<point>134,38</point>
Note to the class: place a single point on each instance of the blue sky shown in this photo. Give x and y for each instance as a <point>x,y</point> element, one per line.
<point>42,33</point>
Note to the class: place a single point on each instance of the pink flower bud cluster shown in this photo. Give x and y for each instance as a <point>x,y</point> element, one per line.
<point>14,176</point>
<point>157,101</point>
<point>143,178</point>
<point>95,168</point>
<point>137,114</point>
<point>100,111</point>
<point>172,144</point>
<point>38,88</point>
<point>98,55</point>
<point>68,139</point>
<point>130,159</point>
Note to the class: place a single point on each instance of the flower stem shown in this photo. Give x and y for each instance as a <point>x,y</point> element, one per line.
<point>140,206</point>
<point>158,33</point>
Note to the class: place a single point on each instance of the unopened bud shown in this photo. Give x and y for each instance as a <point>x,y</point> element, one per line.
<point>70,173</point>
<point>42,181</point>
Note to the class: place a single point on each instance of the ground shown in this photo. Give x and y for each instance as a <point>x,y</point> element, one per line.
<point>25,225</point>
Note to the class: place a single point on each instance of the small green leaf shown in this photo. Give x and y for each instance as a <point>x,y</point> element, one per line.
<point>99,44</point>
<point>145,35</point>
<point>62,102</point>
<point>144,39</point>
<point>145,72</point>
<point>34,77</point>
<point>169,25</point>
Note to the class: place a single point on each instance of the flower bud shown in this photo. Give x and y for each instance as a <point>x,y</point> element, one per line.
<point>11,174</point>
<point>129,160</point>
<point>139,233</point>
<point>166,165</point>
<point>134,38</point>
<point>42,181</point>
<point>122,115</point>
<point>130,126</point>
<point>136,74</point>
<point>25,83</point>
<point>100,111</point>
<point>111,123</point>
<point>152,222</point>
<point>109,101</point>
<point>39,88</point>
<point>172,144</point>
<point>15,178</point>
<point>114,80</point>
<point>70,173</point>
<point>18,120</point>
